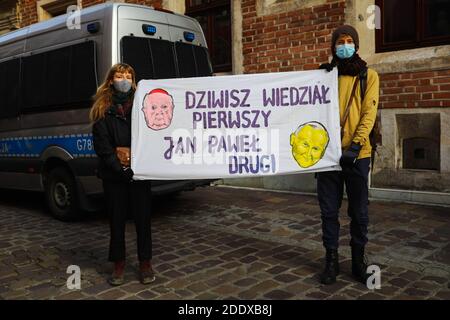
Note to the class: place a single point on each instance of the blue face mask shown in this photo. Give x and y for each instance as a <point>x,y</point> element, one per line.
<point>345,51</point>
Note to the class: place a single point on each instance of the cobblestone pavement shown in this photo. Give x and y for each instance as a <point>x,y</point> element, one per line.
<point>224,243</point>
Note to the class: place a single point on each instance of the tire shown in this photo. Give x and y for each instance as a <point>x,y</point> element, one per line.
<point>61,195</point>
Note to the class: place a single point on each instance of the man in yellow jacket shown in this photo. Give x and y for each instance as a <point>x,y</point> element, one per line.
<point>356,153</point>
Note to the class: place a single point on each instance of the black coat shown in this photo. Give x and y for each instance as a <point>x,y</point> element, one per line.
<point>114,130</point>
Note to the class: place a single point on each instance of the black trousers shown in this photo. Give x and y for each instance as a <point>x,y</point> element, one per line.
<point>330,189</point>
<point>121,198</point>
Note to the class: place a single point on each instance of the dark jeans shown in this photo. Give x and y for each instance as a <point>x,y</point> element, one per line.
<point>330,189</point>
<point>121,198</point>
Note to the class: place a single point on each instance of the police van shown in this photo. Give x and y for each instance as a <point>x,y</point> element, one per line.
<point>49,74</point>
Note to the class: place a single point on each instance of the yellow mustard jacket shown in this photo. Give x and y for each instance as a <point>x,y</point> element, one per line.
<point>362,114</point>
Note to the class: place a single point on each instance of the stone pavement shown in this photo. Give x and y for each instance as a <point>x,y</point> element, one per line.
<point>224,243</point>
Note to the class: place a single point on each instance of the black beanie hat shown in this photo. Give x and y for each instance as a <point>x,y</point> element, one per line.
<point>345,29</point>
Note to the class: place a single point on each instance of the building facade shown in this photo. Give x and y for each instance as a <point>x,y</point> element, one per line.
<point>407,43</point>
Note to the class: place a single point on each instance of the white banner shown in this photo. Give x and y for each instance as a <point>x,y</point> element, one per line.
<point>236,126</point>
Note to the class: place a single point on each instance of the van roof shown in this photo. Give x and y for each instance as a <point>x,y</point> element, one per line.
<point>93,12</point>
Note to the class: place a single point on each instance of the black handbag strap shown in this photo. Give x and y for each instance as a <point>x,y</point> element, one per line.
<point>347,109</point>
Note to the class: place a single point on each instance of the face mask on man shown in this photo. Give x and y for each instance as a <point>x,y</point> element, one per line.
<point>122,85</point>
<point>345,51</point>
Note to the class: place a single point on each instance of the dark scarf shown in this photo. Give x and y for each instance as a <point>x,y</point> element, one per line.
<point>349,67</point>
<point>122,102</point>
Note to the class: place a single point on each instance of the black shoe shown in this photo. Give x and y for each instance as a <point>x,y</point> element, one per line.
<point>359,265</point>
<point>328,276</point>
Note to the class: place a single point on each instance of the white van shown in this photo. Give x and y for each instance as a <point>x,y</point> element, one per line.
<point>50,73</point>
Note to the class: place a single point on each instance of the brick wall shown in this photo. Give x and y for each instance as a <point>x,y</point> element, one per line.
<point>28,9</point>
<point>415,89</point>
<point>296,40</point>
<point>153,3</point>
<point>300,40</point>
<point>8,16</point>
<point>28,12</point>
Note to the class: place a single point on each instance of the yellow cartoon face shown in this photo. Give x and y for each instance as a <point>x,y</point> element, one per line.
<point>309,143</point>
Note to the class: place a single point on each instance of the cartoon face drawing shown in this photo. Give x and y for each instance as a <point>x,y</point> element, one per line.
<point>158,109</point>
<point>309,143</point>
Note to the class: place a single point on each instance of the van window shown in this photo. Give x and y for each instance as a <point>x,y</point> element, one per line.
<point>83,73</point>
<point>161,59</point>
<point>193,61</point>
<point>204,67</point>
<point>9,88</point>
<point>33,81</point>
<point>64,77</point>
<point>150,58</point>
<point>57,76</point>
<point>136,52</point>
<point>186,60</point>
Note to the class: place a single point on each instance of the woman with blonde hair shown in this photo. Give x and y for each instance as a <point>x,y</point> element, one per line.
<point>111,117</point>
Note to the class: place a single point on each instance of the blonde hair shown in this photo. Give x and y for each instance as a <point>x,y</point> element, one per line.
<point>103,97</point>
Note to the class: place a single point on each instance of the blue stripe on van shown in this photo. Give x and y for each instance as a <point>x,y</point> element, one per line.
<point>78,145</point>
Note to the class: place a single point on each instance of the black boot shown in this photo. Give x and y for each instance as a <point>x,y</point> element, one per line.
<point>328,276</point>
<point>359,265</point>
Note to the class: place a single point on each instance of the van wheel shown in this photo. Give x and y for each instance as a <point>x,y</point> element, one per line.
<point>61,195</point>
